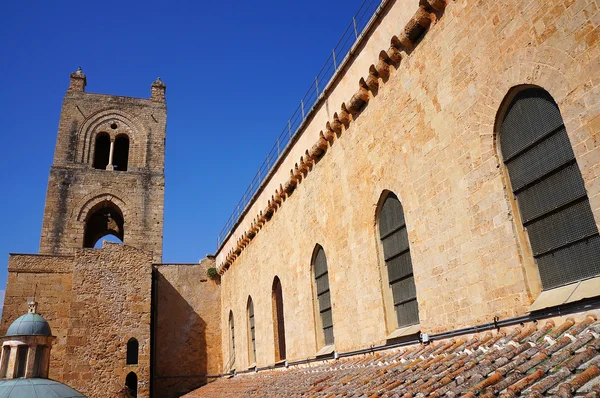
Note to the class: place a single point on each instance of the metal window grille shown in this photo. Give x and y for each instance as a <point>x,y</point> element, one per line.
<point>323,294</point>
<point>549,190</point>
<point>396,252</point>
<point>252,330</point>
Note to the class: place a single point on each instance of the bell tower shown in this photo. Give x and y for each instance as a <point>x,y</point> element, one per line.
<point>107,177</point>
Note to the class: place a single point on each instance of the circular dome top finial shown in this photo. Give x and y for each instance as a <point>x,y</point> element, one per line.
<point>30,324</point>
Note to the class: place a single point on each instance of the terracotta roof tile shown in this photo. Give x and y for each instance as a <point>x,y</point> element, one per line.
<point>534,361</point>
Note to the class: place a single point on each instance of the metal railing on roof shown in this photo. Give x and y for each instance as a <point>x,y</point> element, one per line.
<point>337,57</point>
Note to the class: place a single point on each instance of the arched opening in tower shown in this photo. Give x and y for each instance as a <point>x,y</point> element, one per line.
<point>121,154</point>
<point>101,151</point>
<point>103,219</point>
<point>131,382</point>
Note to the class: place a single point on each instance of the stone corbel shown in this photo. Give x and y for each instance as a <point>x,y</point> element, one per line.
<point>394,51</point>
<point>333,128</point>
<point>415,28</point>
<point>358,101</point>
<point>344,116</point>
<point>383,65</point>
<point>373,79</point>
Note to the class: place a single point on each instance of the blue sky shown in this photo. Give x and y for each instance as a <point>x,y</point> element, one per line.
<point>235,71</point>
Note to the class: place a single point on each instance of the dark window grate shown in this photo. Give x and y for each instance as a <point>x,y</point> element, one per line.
<point>396,252</point>
<point>549,190</point>
<point>323,294</point>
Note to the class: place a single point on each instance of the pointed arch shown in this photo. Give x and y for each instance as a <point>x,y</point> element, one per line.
<point>104,218</point>
<point>251,332</point>
<point>322,297</point>
<point>131,381</point>
<point>548,193</point>
<point>399,289</point>
<point>278,320</point>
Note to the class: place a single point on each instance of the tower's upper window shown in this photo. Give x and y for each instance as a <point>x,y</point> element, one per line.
<point>549,190</point>
<point>121,154</point>
<point>101,151</point>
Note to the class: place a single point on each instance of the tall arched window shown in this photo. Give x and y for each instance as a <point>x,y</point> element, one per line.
<point>323,298</point>
<point>251,333</point>
<point>231,342</point>
<point>396,253</point>
<point>278,320</point>
<point>101,151</point>
<point>132,351</point>
<point>549,190</point>
<point>131,382</point>
<point>121,154</point>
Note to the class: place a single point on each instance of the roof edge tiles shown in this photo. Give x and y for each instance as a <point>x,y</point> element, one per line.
<point>558,356</point>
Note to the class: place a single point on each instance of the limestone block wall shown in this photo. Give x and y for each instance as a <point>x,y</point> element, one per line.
<point>187,327</point>
<point>111,298</point>
<point>73,193</point>
<point>50,278</point>
<point>427,134</point>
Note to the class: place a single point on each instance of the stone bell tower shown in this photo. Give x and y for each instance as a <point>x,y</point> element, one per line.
<point>107,177</point>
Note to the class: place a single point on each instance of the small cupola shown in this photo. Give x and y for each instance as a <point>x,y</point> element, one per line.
<point>25,359</point>
<point>26,346</point>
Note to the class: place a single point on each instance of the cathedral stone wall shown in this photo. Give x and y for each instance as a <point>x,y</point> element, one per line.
<point>110,304</point>
<point>428,135</point>
<point>187,328</point>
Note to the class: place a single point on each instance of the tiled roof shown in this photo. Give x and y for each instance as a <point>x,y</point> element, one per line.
<point>543,359</point>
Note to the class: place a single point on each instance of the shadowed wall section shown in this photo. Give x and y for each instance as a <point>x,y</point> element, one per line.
<point>186,327</point>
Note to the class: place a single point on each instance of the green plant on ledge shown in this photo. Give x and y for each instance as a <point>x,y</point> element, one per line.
<point>212,273</point>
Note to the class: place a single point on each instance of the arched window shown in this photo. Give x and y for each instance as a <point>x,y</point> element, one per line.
<point>132,351</point>
<point>103,219</point>
<point>323,298</point>
<point>251,333</point>
<point>121,154</point>
<point>101,151</point>
<point>396,253</point>
<point>231,342</point>
<point>549,190</point>
<point>278,320</point>
<point>131,382</point>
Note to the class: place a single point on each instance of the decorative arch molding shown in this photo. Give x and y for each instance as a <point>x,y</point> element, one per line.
<point>100,122</point>
<point>94,199</point>
<point>544,67</point>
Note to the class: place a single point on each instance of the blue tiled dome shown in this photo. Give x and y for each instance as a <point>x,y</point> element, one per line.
<point>29,324</point>
<point>23,388</point>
